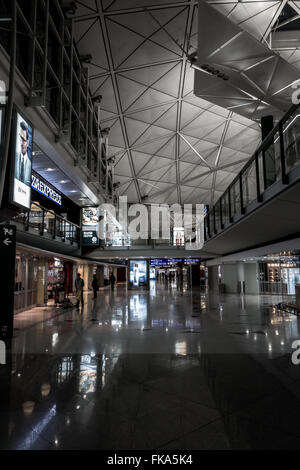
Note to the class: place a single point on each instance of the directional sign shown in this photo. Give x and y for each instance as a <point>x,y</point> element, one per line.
<point>7,279</point>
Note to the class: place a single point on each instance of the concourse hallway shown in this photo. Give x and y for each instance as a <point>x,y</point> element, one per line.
<point>154,370</point>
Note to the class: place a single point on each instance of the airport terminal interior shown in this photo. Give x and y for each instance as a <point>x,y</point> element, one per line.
<point>149,225</point>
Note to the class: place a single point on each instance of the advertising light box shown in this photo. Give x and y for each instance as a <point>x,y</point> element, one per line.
<point>90,226</point>
<point>138,273</point>
<point>22,155</point>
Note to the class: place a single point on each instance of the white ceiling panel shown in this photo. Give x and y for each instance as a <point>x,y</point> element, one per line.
<point>160,131</point>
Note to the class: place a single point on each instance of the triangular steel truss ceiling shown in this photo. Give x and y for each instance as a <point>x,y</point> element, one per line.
<point>170,145</point>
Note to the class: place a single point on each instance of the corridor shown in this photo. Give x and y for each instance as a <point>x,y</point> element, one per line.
<point>169,368</point>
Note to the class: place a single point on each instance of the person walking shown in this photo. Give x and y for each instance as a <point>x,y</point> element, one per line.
<point>112,281</point>
<point>95,286</point>
<point>79,285</point>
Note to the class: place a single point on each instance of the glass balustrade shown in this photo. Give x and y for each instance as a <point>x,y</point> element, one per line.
<point>276,157</point>
<point>45,222</point>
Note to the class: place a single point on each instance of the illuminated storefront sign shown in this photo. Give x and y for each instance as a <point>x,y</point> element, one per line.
<point>40,185</point>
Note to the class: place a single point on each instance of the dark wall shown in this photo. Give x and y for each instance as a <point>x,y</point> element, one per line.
<point>121,275</point>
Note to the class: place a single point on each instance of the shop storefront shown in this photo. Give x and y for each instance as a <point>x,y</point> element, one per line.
<point>278,277</point>
<point>26,280</point>
<point>41,280</point>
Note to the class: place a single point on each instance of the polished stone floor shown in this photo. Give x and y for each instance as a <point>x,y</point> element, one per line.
<point>165,369</point>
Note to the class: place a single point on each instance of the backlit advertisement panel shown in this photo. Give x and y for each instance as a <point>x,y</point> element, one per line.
<point>138,275</point>
<point>21,188</point>
<point>90,226</point>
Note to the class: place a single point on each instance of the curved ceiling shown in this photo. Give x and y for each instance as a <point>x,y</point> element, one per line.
<point>170,145</point>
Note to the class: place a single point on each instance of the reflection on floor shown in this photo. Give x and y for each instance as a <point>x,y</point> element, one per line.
<point>164,369</point>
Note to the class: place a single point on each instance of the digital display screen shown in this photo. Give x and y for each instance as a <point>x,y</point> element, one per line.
<point>138,273</point>
<point>21,190</point>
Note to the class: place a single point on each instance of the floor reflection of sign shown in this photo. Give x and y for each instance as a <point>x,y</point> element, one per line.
<point>90,238</point>
<point>87,374</point>
<point>7,279</point>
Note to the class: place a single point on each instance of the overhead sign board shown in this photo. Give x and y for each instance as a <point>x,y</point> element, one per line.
<point>46,189</point>
<point>167,261</point>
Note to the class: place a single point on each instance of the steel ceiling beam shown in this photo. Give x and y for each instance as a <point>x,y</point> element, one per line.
<point>224,133</point>
<point>206,173</point>
<point>117,96</point>
<point>195,151</point>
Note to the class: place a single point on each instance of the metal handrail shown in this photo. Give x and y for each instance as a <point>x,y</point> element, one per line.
<point>59,222</point>
<point>254,160</point>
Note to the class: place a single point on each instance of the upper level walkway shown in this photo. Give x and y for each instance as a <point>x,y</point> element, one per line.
<point>42,228</point>
<point>262,204</point>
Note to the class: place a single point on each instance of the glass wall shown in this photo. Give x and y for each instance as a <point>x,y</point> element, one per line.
<point>25,281</point>
<point>249,184</point>
<point>291,139</point>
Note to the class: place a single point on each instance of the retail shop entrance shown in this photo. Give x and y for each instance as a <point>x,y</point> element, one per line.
<point>41,279</point>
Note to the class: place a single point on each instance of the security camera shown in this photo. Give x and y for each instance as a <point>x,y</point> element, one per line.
<point>105,131</point>
<point>86,58</point>
<point>97,99</point>
<point>69,8</point>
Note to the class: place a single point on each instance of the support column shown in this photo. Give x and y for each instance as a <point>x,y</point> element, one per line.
<point>267,124</point>
<point>251,278</point>
<point>241,288</point>
<point>121,274</point>
<point>87,276</point>
<point>213,280</point>
<point>42,283</point>
<point>229,277</point>
<point>100,275</point>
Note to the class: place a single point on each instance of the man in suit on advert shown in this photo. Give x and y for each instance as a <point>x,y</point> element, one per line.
<point>23,162</point>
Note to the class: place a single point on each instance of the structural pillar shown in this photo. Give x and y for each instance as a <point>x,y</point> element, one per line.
<point>87,276</point>
<point>267,124</point>
<point>42,283</point>
<point>100,275</point>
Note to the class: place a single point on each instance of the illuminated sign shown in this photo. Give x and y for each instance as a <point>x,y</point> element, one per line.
<point>90,237</point>
<point>138,273</point>
<point>90,223</point>
<point>163,262</point>
<point>40,185</point>
<point>21,187</point>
